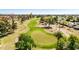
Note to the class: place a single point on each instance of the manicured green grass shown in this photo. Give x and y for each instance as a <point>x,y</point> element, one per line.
<point>42,39</point>
<point>32,25</point>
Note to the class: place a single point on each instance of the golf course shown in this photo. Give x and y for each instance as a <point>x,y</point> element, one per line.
<point>42,39</point>
<point>34,32</point>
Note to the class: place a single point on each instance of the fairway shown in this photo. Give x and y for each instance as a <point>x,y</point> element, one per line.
<point>37,31</point>
<point>42,39</point>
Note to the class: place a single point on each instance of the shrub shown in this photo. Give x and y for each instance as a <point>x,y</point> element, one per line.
<point>25,42</point>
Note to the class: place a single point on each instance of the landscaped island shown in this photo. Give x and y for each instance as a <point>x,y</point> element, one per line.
<point>39,32</point>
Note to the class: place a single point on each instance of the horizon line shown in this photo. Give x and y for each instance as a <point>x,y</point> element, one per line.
<point>39,11</point>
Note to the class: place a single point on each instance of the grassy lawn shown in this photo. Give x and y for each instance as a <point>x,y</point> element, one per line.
<point>42,39</point>
<point>32,25</point>
<point>8,42</point>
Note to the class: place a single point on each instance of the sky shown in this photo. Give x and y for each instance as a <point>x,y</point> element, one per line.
<point>39,11</point>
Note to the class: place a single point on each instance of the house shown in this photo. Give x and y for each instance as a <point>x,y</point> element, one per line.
<point>76,27</point>
<point>70,24</point>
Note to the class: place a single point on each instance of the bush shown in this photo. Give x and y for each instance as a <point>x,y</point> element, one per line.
<point>72,40</point>
<point>60,44</point>
<point>25,42</point>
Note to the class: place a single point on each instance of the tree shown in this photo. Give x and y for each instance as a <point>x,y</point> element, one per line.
<point>78,19</point>
<point>60,42</point>
<point>4,26</point>
<point>72,42</point>
<point>55,19</point>
<point>23,18</point>
<point>69,18</point>
<point>47,20</point>
<point>58,35</point>
<point>14,25</point>
<point>30,15</point>
<point>41,20</point>
<point>25,42</point>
